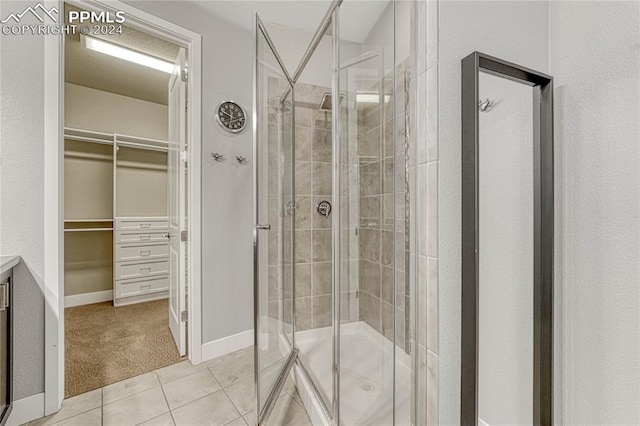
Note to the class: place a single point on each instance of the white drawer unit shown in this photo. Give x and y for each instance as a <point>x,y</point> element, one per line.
<point>140,251</point>
<point>141,237</point>
<point>129,288</point>
<point>141,268</point>
<point>141,224</point>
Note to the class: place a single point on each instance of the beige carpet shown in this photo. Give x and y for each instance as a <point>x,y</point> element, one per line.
<point>105,344</point>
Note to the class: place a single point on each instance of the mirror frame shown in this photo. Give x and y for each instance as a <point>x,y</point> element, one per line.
<point>543,234</point>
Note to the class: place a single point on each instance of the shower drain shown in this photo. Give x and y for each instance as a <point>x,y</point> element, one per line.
<point>367,387</point>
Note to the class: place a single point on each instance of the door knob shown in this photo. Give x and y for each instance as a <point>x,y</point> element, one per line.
<point>263,227</point>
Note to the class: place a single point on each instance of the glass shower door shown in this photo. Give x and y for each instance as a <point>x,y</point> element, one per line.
<point>274,218</point>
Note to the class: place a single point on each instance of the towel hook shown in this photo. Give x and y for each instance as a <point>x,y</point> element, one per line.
<point>242,160</point>
<point>218,157</point>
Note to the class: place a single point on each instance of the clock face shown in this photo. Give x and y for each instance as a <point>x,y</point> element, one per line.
<point>231,116</point>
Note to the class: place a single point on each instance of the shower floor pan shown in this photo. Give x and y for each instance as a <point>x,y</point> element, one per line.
<point>366,375</point>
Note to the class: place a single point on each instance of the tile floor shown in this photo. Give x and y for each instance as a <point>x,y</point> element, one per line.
<point>218,392</point>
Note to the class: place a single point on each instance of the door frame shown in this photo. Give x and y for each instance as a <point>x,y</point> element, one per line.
<point>54,186</point>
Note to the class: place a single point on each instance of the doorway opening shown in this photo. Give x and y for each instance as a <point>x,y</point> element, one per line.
<point>130,271</point>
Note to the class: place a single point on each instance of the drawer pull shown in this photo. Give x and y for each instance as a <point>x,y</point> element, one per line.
<point>145,286</point>
<point>145,252</point>
<point>145,225</point>
<point>145,237</point>
<point>145,270</point>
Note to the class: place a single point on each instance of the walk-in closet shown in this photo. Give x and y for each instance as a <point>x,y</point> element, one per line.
<point>116,225</point>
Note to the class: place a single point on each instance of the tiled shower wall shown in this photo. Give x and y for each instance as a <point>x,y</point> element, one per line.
<point>427,208</point>
<point>313,184</point>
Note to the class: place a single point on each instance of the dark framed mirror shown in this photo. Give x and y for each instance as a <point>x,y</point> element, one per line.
<point>507,244</point>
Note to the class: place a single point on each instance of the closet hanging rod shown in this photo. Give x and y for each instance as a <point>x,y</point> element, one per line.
<point>87,229</point>
<point>88,136</point>
<point>87,139</point>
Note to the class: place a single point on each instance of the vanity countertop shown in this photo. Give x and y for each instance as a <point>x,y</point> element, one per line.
<point>8,262</point>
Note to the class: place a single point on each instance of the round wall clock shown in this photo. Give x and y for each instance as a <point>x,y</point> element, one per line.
<point>231,116</point>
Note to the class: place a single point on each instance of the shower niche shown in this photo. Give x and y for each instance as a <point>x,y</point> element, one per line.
<point>334,285</point>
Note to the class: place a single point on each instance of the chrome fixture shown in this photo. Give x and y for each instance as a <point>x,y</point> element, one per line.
<point>218,157</point>
<point>242,160</point>
<point>486,105</point>
<point>324,208</point>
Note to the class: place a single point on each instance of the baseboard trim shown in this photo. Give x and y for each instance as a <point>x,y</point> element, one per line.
<point>26,409</point>
<point>226,345</point>
<point>88,298</point>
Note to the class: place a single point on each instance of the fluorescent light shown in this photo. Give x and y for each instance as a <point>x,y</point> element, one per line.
<point>370,98</point>
<point>126,54</point>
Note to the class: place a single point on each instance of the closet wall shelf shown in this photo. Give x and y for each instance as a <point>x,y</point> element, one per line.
<point>87,229</point>
<point>111,138</point>
<point>86,220</point>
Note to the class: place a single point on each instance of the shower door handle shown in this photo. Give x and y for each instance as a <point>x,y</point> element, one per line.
<point>263,227</point>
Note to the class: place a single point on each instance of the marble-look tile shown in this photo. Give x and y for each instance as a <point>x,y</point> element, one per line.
<point>322,278</point>
<point>370,277</point>
<point>163,420</point>
<point>386,316</point>
<point>303,279</point>
<point>370,182</point>
<point>303,246</point>
<point>386,248</point>
<point>90,418</point>
<point>370,211</point>
<point>322,179</point>
<point>386,284</point>
<point>401,329</point>
<point>431,114</point>
<point>369,244</point>
<point>187,389</point>
<point>232,367</point>
<point>303,143</point>
<point>321,242</point>
<point>321,311</point>
<point>432,210</point>
<point>303,212</point>
<point>72,407</point>
<point>303,178</point>
<point>273,283</point>
<point>242,394</point>
<point>388,174</point>
<point>432,305</point>
<point>369,143</point>
<point>432,389</point>
<point>212,410</point>
<point>176,371</point>
<point>423,326</point>
<point>135,409</point>
<point>322,146</point>
<point>304,116</point>
<point>303,313</point>
<point>370,310</point>
<point>288,412</point>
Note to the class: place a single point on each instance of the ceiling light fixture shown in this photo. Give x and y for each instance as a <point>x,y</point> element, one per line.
<point>126,54</point>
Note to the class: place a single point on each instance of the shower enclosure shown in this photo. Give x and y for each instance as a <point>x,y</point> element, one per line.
<point>335,286</point>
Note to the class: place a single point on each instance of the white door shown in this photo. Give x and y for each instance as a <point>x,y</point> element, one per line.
<point>177,204</point>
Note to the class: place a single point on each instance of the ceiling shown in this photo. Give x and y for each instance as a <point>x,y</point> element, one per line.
<point>87,68</point>
<point>361,15</point>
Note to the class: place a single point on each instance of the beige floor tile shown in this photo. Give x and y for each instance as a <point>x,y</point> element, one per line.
<point>243,395</point>
<point>215,410</point>
<point>190,388</point>
<point>177,371</point>
<point>287,412</point>
<point>250,418</point>
<point>72,407</point>
<point>129,387</point>
<point>163,420</point>
<point>237,422</point>
<point>135,409</point>
<point>90,418</point>
<point>232,367</point>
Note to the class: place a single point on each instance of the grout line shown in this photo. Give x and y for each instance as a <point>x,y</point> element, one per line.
<point>166,401</point>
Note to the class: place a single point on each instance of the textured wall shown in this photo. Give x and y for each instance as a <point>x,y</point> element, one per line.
<point>595,63</point>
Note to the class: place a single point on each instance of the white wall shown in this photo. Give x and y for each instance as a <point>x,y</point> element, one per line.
<point>595,62</point>
<point>505,353</point>
<point>227,250</point>
<point>514,31</point>
<point>22,211</point>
